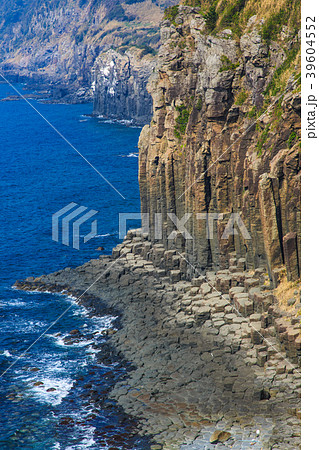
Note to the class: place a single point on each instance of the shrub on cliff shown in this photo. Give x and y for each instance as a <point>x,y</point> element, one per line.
<point>274,24</point>
<point>170,13</point>
<point>211,17</point>
<point>231,14</point>
<point>181,121</point>
<point>234,14</point>
<point>227,64</point>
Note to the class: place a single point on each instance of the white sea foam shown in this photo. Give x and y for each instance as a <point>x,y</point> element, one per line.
<point>59,341</point>
<point>56,446</point>
<point>71,297</point>
<point>130,155</point>
<point>6,353</point>
<point>14,302</point>
<point>19,324</point>
<point>62,387</point>
<point>34,291</point>
<point>32,325</point>
<point>98,324</point>
<point>87,442</point>
<point>53,366</point>
<point>77,313</point>
<point>92,350</point>
<point>82,344</point>
<point>84,432</point>
<point>103,322</point>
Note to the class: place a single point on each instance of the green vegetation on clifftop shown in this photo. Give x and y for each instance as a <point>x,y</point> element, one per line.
<point>234,14</point>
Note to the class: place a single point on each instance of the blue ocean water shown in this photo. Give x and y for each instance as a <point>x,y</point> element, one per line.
<point>45,402</point>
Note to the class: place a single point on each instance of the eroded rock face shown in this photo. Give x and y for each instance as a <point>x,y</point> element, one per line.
<point>119,86</point>
<point>54,46</point>
<point>204,151</point>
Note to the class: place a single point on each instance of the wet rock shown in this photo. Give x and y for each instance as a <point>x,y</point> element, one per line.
<point>66,421</point>
<point>74,332</point>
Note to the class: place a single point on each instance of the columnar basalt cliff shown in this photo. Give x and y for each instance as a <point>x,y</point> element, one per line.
<point>224,139</point>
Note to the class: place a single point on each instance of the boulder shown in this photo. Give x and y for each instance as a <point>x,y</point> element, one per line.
<point>175,276</point>
<point>219,436</point>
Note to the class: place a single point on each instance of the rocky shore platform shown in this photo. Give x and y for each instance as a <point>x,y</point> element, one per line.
<point>216,360</point>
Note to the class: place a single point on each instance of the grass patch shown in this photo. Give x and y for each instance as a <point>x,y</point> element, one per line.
<point>288,14</point>
<point>291,139</point>
<point>227,64</point>
<point>170,13</point>
<point>276,84</point>
<point>285,291</point>
<point>242,97</point>
<point>297,78</point>
<point>182,44</point>
<point>199,103</point>
<point>274,24</point>
<point>211,18</point>
<point>181,121</point>
<point>262,140</point>
<point>252,114</point>
<point>231,16</point>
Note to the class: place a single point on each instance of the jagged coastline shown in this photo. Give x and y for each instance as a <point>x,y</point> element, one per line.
<point>207,357</point>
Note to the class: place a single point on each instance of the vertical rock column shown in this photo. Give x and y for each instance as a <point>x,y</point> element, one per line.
<point>270,220</point>
<point>291,256</point>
